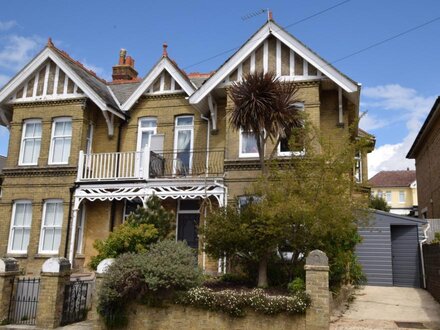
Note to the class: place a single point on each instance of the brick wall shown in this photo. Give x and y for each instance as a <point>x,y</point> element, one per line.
<point>431,253</point>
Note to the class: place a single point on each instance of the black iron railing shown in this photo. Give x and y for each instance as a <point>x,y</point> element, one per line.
<point>24,301</point>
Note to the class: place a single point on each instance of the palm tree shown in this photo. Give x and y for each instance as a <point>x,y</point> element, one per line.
<point>265,106</point>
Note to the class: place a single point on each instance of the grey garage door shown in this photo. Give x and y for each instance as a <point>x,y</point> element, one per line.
<point>405,254</point>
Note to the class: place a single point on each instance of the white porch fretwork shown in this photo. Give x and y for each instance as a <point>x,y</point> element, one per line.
<point>181,189</point>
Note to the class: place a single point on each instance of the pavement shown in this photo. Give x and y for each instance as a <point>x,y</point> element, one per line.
<point>376,307</point>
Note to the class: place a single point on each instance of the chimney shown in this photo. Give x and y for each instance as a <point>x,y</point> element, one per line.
<point>124,70</point>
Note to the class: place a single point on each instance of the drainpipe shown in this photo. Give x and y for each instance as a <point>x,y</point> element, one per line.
<point>113,206</point>
<point>69,219</point>
<point>207,143</point>
<point>422,258</point>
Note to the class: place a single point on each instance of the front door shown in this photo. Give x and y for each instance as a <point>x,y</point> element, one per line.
<point>187,229</point>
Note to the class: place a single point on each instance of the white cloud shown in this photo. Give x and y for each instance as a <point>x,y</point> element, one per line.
<point>16,51</point>
<point>6,25</point>
<point>396,104</point>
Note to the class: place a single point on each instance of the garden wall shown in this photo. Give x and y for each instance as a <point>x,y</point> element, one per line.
<point>180,317</point>
<point>431,253</point>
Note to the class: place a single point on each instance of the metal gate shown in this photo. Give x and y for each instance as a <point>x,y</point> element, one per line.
<point>75,301</point>
<point>24,301</point>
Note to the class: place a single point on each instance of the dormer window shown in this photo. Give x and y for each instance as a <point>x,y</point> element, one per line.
<point>30,142</point>
<point>61,141</point>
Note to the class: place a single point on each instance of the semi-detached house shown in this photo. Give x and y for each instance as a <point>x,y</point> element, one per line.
<point>84,152</point>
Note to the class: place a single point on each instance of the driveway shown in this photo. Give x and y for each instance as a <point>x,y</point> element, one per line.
<point>377,307</point>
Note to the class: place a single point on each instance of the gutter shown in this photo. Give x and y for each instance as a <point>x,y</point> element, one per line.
<point>113,206</point>
<point>69,219</point>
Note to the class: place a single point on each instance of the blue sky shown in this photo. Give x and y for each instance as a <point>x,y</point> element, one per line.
<point>399,78</point>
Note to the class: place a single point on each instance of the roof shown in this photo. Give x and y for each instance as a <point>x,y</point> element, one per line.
<point>399,217</point>
<point>99,85</point>
<point>271,28</point>
<point>393,179</point>
<point>419,141</point>
<point>124,91</point>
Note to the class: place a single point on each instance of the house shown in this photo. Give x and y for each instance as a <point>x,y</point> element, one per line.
<point>390,250</point>
<point>425,151</point>
<point>398,188</point>
<point>84,152</point>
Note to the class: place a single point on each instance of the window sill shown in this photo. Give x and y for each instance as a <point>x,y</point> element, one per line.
<point>45,255</point>
<point>16,255</point>
<point>80,256</point>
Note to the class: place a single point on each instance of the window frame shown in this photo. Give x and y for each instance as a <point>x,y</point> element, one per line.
<point>52,140</point>
<point>177,129</point>
<point>301,107</point>
<point>389,194</point>
<point>43,227</point>
<point>402,193</point>
<point>12,226</point>
<point>80,230</point>
<point>145,129</point>
<point>23,133</point>
<point>240,146</point>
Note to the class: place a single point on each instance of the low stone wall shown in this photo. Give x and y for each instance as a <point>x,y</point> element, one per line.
<point>183,317</point>
<point>431,254</point>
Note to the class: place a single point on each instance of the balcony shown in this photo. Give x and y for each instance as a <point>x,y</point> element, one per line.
<point>149,165</point>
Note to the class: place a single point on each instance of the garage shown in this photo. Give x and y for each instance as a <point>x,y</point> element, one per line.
<point>390,250</point>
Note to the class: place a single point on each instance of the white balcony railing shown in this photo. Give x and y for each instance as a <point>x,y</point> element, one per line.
<point>135,165</point>
<point>113,166</point>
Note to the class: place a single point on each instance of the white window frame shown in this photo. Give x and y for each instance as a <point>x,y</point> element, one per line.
<point>179,211</point>
<point>402,193</point>
<point>358,166</point>
<point>25,123</point>
<point>12,227</point>
<point>388,196</point>
<point>141,130</point>
<point>43,227</point>
<point>379,194</point>
<point>300,107</point>
<point>52,140</point>
<point>89,139</point>
<point>240,145</point>
<point>178,128</point>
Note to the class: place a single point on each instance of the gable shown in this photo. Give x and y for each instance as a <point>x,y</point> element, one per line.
<point>273,49</point>
<point>49,82</point>
<point>165,77</point>
<point>272,55</point>
<point>163,84</point>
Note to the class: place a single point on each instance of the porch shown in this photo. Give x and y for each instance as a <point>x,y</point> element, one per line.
<point>100,207</point>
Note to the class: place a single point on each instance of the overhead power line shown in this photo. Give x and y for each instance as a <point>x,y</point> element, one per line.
<point>285,27</point>
<point>387,40</point>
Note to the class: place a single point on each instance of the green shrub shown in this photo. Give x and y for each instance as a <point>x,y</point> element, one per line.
<point>235,303</point>
<point>379,203</point>
<point>236,279</point>
<point>142,227</point>
<point>149,276</point>
<point>126,238</point>
<point>436,239</point>
<point>296,286</point>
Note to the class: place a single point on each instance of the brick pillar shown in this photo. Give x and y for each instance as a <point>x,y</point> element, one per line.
<point>55,274</point>
<point>318,314</point>
<point>100,273</point>
<point>8,271</point>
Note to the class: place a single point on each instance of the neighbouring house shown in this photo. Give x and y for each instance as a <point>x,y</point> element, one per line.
<point>398,188</point>
<point>426,150</point>
<point>390,249</point>
<point>84,152</point>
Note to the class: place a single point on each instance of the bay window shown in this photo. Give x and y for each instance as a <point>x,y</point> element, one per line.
<point>61,141</point>
<point>20,227</point>
<point>51,225</point>
<point>30,142</point>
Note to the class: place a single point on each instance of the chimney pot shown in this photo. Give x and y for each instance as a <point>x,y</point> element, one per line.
<point>165,52</point>
<point>124,70</point>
